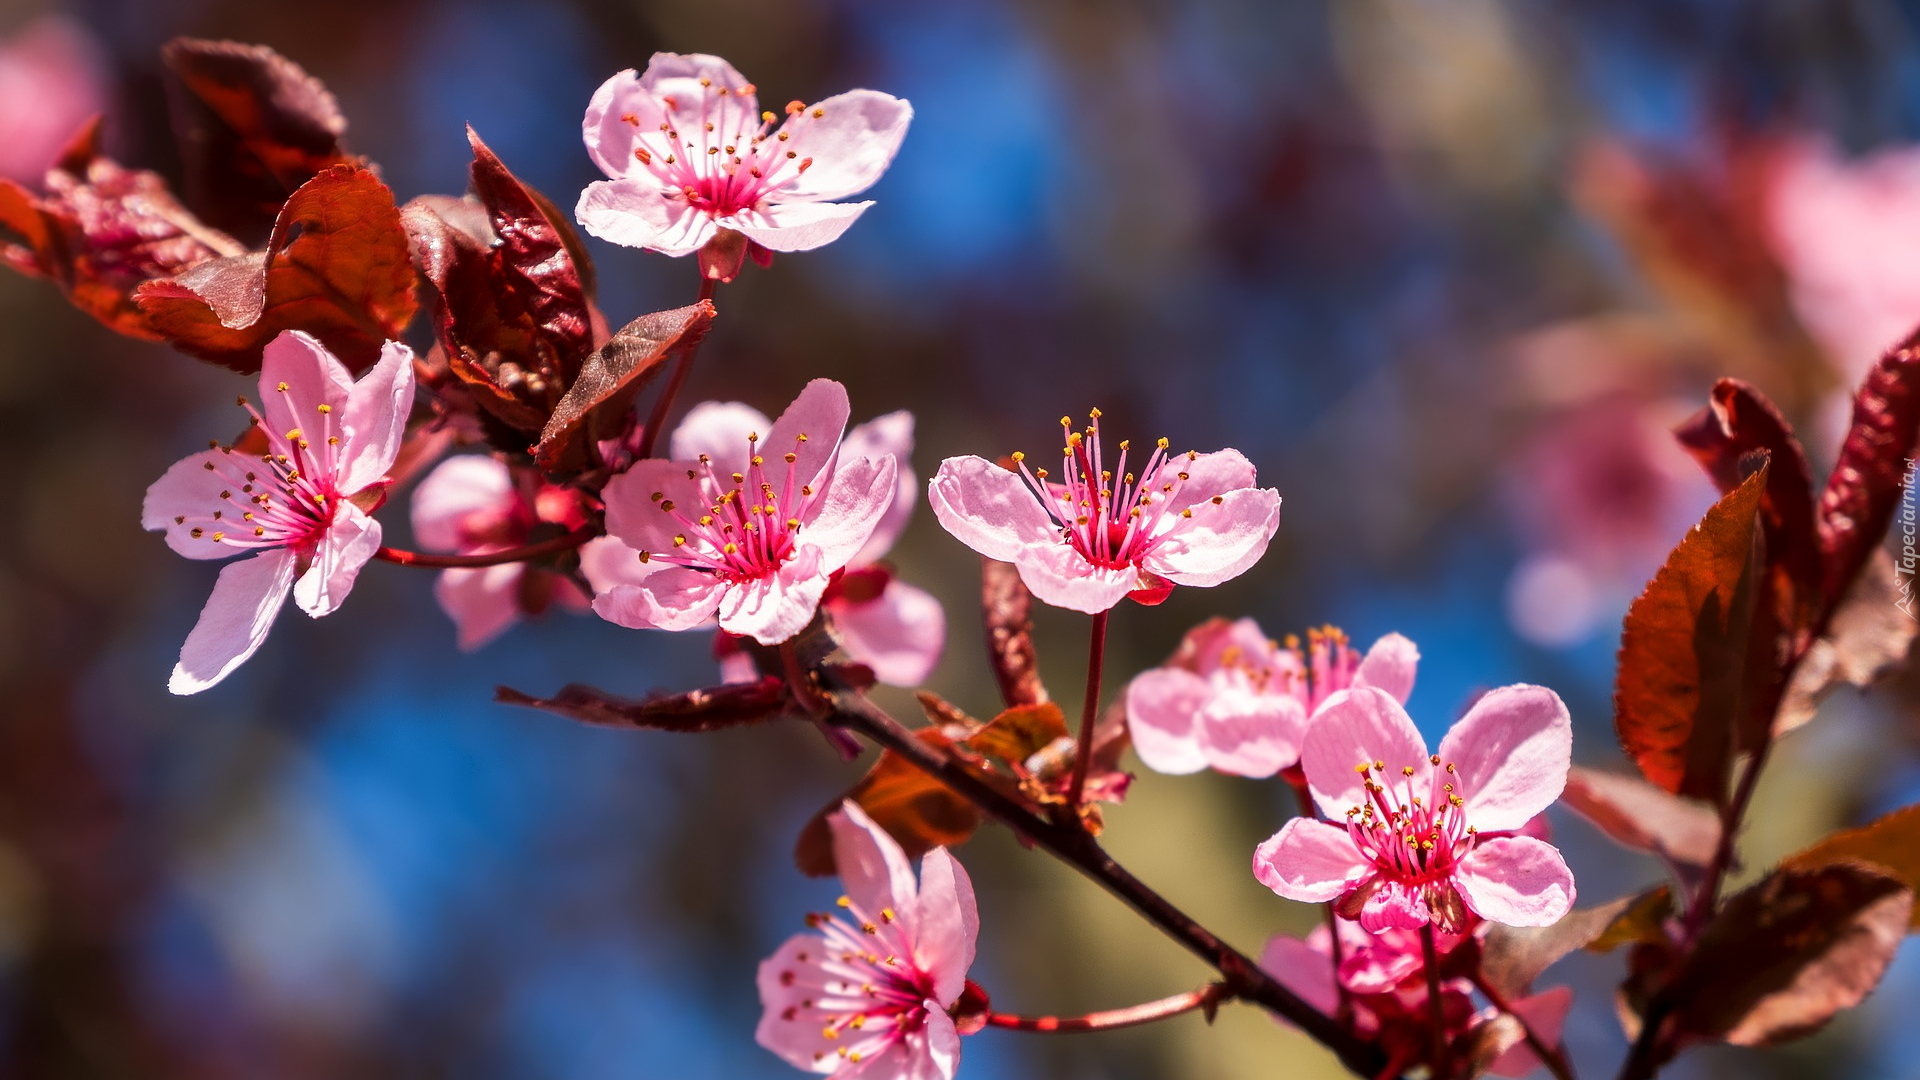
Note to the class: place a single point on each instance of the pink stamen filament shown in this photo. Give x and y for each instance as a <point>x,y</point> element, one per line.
<point>287,499</point>
<point>1417,841</point>
<point>737,537</point>
<point>1112,520</point>
<point>753,163</point>
<point>873,995</point>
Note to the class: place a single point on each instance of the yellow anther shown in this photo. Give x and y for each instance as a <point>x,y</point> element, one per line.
<point>757,461</point>
<point>646,556</point>
<point>282,388</point>
<point>679,541</point>
<point>325,408</point>
<point>197,533</point>
<point>845,901</point>
<point>731,549</point>
<point>1435,759</point>
<point>1406,770</point>
<point>1093,413</point>
<point>792,457</point>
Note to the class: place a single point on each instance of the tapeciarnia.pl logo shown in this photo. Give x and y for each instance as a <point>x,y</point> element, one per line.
<point>1909,560</point>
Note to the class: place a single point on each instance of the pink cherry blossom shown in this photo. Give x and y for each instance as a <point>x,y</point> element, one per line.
<point>296,506</point>
<point>470,505</point>
<point>897,629</point>
<point>690,154</point>
<point>1102,534</point>
<point>1429,839</point>
<point>52,79</point>
<point>752,537</point>
<point>1233,700</point>
<point>868,991</point>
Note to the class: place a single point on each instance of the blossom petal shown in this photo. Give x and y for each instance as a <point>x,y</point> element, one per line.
<point>1310,861</point>
<point>637,213</point>
<point>878,437</point>
<point>1058,575</point>
<point>851,143</point>
<point>1511,752</point>
<point>1163,712</point>
<point>718,429</point>
<point>941,1056</point>
<point>460,487</point>
<point>946,924</point>
<point>1207,475</point>
<point>189,491</point>
<point>1545,1014</point>
<point>1219,542</point>
<point>674,598</point>
<point>810,428</point>
<point>797,226</point>
<point>899,634</point>
<point>1355,726</point>
<point>843,516</point>
<point>1390,666</point>
<point>1391,905</point>
<point>785,979</point>
<point>344,548</point>
<point>640,520</point>
<point>482,601</point>
<point>1302,969</point>
<point>988,508</point>
<point>311,377</point>
<point>376,419</point>
<point>607,564</point>
<point>1516,880</point>
<point>1250,734</point>
<point>872,867</point>
<point>235,620</point>
<point>773,608</point>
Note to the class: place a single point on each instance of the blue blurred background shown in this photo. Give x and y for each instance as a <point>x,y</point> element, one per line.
<point>1444,269</point>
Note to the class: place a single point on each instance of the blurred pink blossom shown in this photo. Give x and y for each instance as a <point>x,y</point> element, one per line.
<point>1429,839</point>
<point>869,993</point>
<point>1102,534</point>
<point>470,505</point>
<point>52,79</point>
<point>690,153</point>
<point>324,440</point>
<point>1234,700</point>
<point>728,533</point>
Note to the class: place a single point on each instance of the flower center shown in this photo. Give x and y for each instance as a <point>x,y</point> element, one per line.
<point>284,497</point>
<point>719,156</point>
<point>1326,667</point>
<point>749,526</point>
<point>1416,840</point>
<point>867,992</point>
<point>1111,526</point>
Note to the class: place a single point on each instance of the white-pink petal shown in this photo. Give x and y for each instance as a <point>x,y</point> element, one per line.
<point>819,412</point>
<point>671,599</point>
<point>1163,713</point>
<point>891,434</point>
<point>1516,880</point>
<point>1310,861</point>
<point>796,226</point>
<point>344,548</point>
<point>1058,575</point>
<point>1355,726</point>
<point>1511,753</point>
<point>297,376</point>
<point>989,509</point>
<point>1250,734</point>
<point>946,924</point>
<point>1220,541</point>
<point>1389,666</point>
<point>851,144</point>
<point>873,869</point>
<point>483,602</point>
<point>246,598</point>
<point>718,429</point>
<point>458,488</point>
<point>636,213</point>
<point>187,490</point>
<point>855,499</point>
<point>376,419</point>
<point>899,634</point>
<point>773,608</point>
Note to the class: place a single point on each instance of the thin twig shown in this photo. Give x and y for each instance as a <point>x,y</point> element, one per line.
<point>568,542</point>
<point>1553,1057</point>
<point>1436,1010</point>
<point>1096,659</point>
<point>1207,997</point>
<point>683,364</point>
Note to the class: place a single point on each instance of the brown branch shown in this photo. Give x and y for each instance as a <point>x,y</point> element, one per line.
<point>567,542</point>
<point>1089,713</point>
<point>650,435</point>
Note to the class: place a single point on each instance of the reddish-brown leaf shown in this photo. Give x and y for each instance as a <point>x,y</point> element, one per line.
<point>1007,607</point>
<point>337,266</point>
<point>1781,958</point>
<point>1020,732</point>
<point>1683,654</point>
<point>1512,957</point>
<point>919,812</point>
<point>597,403</point>
<point>711,709</point>
<point>1860,496</point>
<point>101,231</point>
<point>1867,635</point>
<point>253,127</point>
<point>1644,817</point>
<point>1891,842</point>
<point>536,258</point>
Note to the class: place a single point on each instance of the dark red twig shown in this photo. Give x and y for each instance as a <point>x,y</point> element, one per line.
<point>658,417</point>
<point>567,542</point>
<point>1089,714</point>
<point>1207,997</point>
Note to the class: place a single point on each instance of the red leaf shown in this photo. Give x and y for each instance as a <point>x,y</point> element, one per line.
<point>1683,653</point>
<point>1860,496</point>
<point>1891,842</point>
<point>1867,635</point>
<point>337,266</point>
<point>1019,733</point>
<point>1007,608</point>
<point>919,812</point>
<point>537,255</point>
<point>1787,954</point>
<point>253,127</point>
<point>1644,817</point>
<point>101,232</point>
<point>596,405</point>
<point>1514,956</point>
<point>711,709</point>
